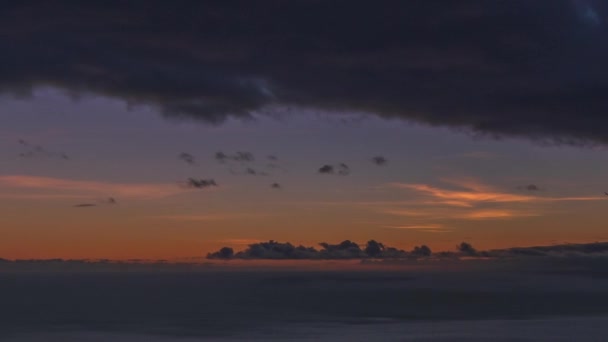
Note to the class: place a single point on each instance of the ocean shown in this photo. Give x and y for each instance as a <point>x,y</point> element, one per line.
<point>302,305</point>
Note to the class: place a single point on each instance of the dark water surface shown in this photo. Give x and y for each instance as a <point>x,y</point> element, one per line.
<point>225,305</point>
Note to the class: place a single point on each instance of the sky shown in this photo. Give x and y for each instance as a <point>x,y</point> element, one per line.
<point>152,130</point>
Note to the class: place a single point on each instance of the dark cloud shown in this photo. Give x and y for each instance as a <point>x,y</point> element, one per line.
<point>503,68</point>
<point>187,158</point>
<point>253,172</point>
<point>422,251</point>
<point>276,186</point>
<point>561,250</point>
<point>223,253</point>
<point>532,187</point>
<point>200,183</point>
<point>466,249</point>
<point>343,169</point>
<point>243,157</point>
<point>326,169</point>
<point>379,160</point>
<point>273,158</point>
<point>340,169</point>
<point>344,250</point>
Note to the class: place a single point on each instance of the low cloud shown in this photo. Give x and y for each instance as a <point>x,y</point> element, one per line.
<point>344,250</point>
<point>276,186</point>
<point>84,205</point>
<point>347,250</point>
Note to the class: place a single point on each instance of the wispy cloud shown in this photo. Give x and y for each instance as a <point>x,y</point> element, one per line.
<point>207,217</point>
<point>429,228</point>
<point>471,200</point>
<point>495,214</point>
<point>471,193</point>
<point>240,241</point>
<point>97,188</point>
<point>465,196</point>
<point>193,218</point>
<point>459,213</point>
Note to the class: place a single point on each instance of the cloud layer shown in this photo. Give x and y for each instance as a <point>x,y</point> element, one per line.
<point>518,68</point>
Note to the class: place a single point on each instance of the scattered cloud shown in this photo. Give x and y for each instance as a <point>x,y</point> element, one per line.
<point>33,151</point>
<point>242,157</point>
<point>379,160</point>
<point>327,169</point>
<point>187,158</point>
<point>340,169</point>
<point>276,186</point>
<point>85,205</point>
<point>200,183</point>
<point>253,172</point>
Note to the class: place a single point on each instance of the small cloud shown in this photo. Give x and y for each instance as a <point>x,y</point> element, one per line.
<point>340,169</point>
<point>276,186</point>
<point>531,187</point>
<point>253,172</point>
<point>221,157</point>
<point>200,183</point>
<point>326,169</point>
<point>343,169</point>
<point>272,158</point>
<point>33,151</point>
<point>187,158</point>
<point>379,160</point>
<point>243,157</point>
<point>85,205</point>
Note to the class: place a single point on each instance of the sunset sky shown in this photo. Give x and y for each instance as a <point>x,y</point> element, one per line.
<point>490,118</point>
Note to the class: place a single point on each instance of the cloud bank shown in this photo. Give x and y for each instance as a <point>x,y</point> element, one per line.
<point>376,250</point>
<point>533,69</point>
<point>343,250</point>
